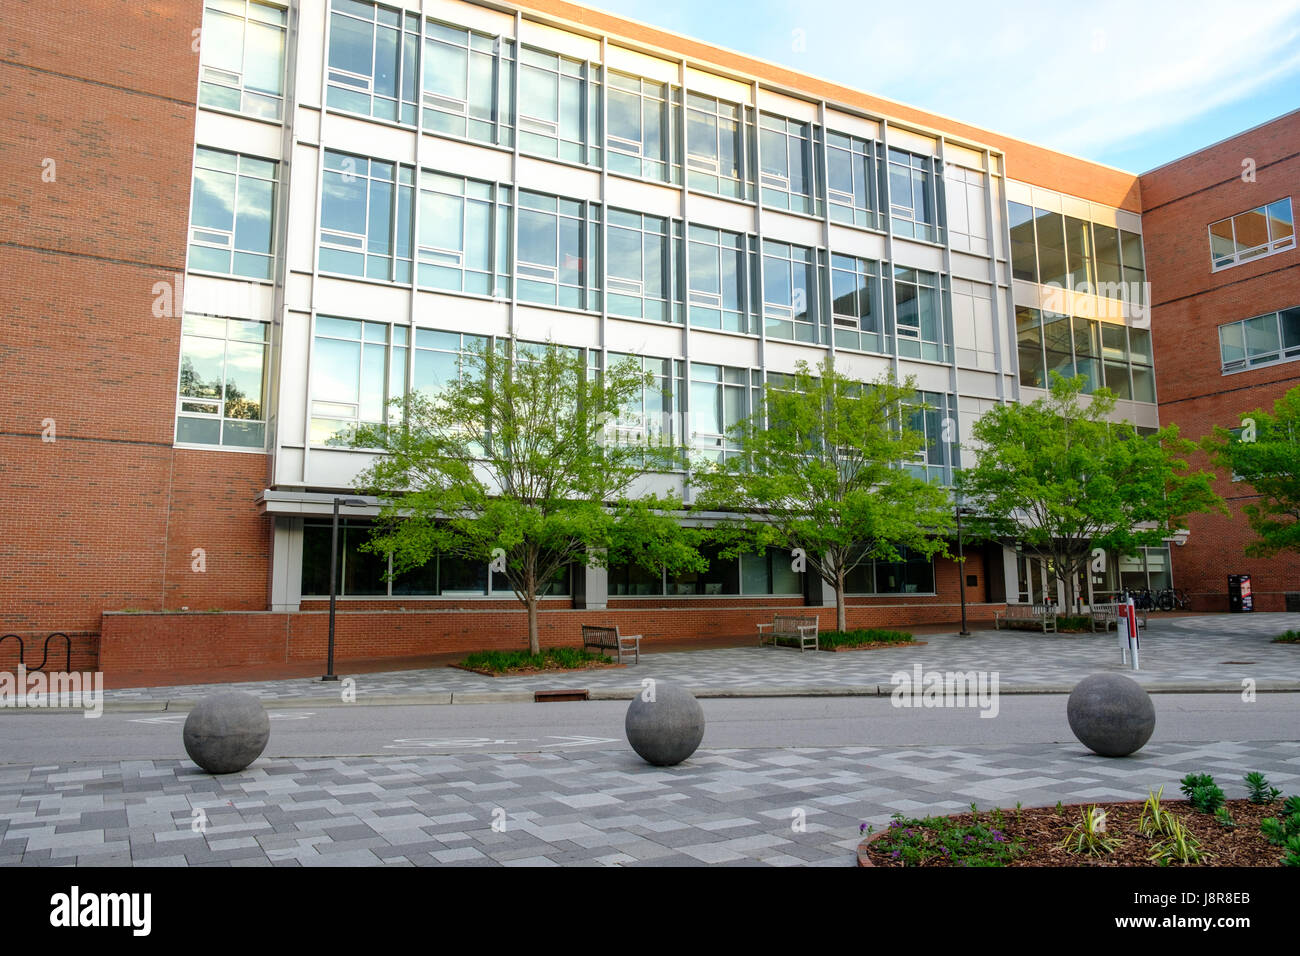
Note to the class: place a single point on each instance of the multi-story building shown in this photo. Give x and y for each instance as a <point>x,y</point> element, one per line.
<point>222,256</point>
<point>1221,247</point>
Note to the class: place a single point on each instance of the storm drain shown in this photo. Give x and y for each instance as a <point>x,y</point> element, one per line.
<point>554,696</point>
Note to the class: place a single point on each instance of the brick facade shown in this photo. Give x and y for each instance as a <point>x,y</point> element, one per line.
<point>1190,302</point>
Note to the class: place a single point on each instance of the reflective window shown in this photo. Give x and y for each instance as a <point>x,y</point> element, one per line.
<point>1135,274</point>
<point>232,214</point>
<point>464,242</point>
<point>559,107</point>
<point>1024,260</point>
<point>642,116</point>
<point>653,412</point>
<point>790,298</point>
<point>715,151</point>
<point>357,369</point>
<point>718,403</point>
<point>856,308</point>
<point>1258,232</point>
<point>918,318</point>
<point>1079,253</point>
<point>787,175</point>
<point>1029,339</point>
<point>219,400</point>
<point>1107,256</point>
<point>643,275</point>
<point>468,84</point>
<point>1261,340</point>
<point>934,417</point>
<point>853,185</point>
<point>914,201</point>
<point>559,246</point>
<point>1107,354</point>
<point>373,60</point>
<point>442,357</point>
<point>242,57</point>
<point>1050,230</point>
<point>366,217</point>
<point>721,278</point>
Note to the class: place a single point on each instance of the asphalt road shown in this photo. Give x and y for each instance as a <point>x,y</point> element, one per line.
<point>36,737</point>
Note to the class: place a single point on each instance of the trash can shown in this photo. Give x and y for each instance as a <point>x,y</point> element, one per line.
<point>1239,596</point>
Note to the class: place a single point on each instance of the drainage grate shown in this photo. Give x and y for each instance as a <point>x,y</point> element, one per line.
<point>552,696</point>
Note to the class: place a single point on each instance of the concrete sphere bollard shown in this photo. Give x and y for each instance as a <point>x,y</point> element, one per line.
<point>666,728</point>
<point>226,732</point>
<point>1111,714</point>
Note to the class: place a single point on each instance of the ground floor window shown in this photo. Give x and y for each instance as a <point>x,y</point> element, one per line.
<point>914,574</point>
<point>768,573</point>
<point>363,574</point>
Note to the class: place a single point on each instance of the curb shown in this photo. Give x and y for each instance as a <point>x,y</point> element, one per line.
<point>439,698</point>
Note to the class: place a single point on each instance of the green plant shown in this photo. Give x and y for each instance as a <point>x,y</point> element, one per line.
<point>1279,830</point>
<point>1224,818</point>
<point>916,842</point>
<point>1179,846</point>
<point>1290,637</point>
<point>1089,835</point>
<point>499,662</point>
<point>1203,793</point>
<point>1291,856</point>
<point>1291,805</point>
<point>1155,819</point>
<point>863,636</point>
<point>1260,790</point>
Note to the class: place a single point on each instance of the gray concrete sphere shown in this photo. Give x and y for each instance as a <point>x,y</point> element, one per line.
<point>1111,714</point>
<point>666,730</point>
<point>226,732</point>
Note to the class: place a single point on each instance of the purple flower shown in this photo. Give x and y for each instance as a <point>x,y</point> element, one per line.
<point>968,839</point>
<point>895,854</point>
<point>862,828</point>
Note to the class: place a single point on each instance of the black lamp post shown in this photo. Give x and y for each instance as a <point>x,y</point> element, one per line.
<point>334,575</point>
<point>961,570</point>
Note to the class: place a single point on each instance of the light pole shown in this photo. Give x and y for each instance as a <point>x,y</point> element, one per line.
<point>961,569</point>
<point>334,576</point>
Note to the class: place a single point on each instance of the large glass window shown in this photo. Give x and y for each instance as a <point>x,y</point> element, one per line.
<point>652,414</point>
<point>1260,340</point>
<point>559,107</point>
<point>934,416</point>
<point>1109,272</point>
<point>219,400</point>
<point>357,368</point>
<point>1079,253</point>
<point>232,214</point>
<point>914,574</point>
<point>559,247</point>
<point>915,183</point>
<point>760,574</point>
<point>442,357</point>
<point>1050,230</point>
<point>787,175</point>
<point>715,146</point>
<point>1135,274</point>
<point>642,138</point>
<point>718,402</point>
<point>1261,231</point>
<point>373,60</point>
<point>366,217</point>
<point>1142,360</point>
<point>468,84</point>
<point>242,57</point>
<point>1024,260</point>
<point>918,314</point>
<point>464,243</point>
<point>856,308</point>
<point>791,303</point>
<point>853,184</point>
<point>720,280</point>
<point>644,278</point>
<point>1029,339</point>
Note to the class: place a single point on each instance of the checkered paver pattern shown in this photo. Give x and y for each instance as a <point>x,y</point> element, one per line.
<point>604,808</point>
<point>1176,650</point>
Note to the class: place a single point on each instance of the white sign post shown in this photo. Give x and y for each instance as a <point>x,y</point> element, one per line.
<point>1133,634</point>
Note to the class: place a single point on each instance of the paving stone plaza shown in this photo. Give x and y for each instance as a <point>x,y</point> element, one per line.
<point>604,806</point>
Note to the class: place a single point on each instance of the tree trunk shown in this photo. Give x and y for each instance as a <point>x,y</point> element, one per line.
<point>534,644</point>
<point>841,616</point>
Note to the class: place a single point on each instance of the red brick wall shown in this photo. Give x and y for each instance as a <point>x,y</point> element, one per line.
<point>1190,302</point>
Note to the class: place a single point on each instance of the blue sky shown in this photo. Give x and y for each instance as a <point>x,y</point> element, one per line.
<point>1129,83</point>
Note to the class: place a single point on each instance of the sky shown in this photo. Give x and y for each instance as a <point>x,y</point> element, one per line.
<point>1131,84</point>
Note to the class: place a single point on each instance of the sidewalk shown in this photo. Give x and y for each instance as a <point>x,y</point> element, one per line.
<point>1191,653</point>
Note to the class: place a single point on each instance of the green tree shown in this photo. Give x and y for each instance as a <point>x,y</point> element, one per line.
<point>1265,453</point>
<point>1060,478</point>
<point>515,462</point>
<point>819,470</point>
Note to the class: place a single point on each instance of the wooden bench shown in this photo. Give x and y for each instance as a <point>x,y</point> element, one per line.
<point>609,639</point>
<point>1107,615</point>
<point>802,629</point>
<point>1031,615</point>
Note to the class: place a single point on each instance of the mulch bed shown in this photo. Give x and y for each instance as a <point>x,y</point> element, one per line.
<point>528,671</point>
<point>874,645</point>
<point>1044,830</point>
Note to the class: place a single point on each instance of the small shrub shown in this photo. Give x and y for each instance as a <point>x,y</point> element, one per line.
<point>1291,856</point>
<point>942,840</point>
<point>1205,795</point>
<point>499,662</point>
<point>862,636</point>
<point>1089,835</point>
<point>1224,819</point>
<point>1178,847</point>
<point>1280,830</point>
<point>1155,819</point>
<point>1290,637</point>
<point>1260,790</point>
